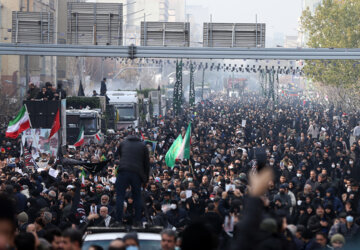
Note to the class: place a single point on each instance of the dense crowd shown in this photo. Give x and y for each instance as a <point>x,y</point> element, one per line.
<point>313,201</point>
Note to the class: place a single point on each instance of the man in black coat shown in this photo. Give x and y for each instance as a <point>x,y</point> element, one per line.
<point>103,88</point>
<point>133,170</point>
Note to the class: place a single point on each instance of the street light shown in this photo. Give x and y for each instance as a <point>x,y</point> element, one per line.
<point>159,96</point>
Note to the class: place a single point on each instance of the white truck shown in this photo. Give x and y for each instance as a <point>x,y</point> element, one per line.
<point>89,119</point>
<point>126,110</point>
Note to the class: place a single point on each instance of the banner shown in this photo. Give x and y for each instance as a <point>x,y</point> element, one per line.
<point>38,139</point>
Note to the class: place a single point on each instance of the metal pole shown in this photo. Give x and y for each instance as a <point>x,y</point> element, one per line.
<point>145,35</point>
<point>164,28</point>
<point>119,26</point>
<point>208,34</point>
<point>17,27</point>
<point>202,84</point>
<point>261,35</point>
<point>159,96</point>
<point>233,36</point>
<point>211,35</point>
<point>256,32</point>
<point>48,34</point>
<point>109,27</point>
<point>41,28</point>
<point>27,74</point>
<point>76,29</point>
<point>94,26</point>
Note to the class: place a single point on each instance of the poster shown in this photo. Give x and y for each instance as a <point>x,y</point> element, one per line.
<point>243,123</point>
<point>38,139</point>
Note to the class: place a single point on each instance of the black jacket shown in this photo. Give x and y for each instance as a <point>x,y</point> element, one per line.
<point>134,157</point>
<point>103,88</point>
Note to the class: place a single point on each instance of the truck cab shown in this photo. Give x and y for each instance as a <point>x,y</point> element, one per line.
<point>126,110</point>
<point>87,118</point>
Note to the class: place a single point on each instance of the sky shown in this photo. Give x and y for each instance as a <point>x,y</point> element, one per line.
<point>280,16</point>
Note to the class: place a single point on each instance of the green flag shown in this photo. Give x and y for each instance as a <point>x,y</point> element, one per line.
<point>173,152</point>
<point>184,152</point>
<point>180,149</point>
<point>82,176</point>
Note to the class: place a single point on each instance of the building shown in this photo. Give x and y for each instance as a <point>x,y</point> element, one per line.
<point>13,68</point>
<point>291,42</point>
<point>177,9</point>
<point>197,15</point>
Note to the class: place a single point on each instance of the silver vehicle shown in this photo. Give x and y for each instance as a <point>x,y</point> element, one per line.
<point>149,239</point>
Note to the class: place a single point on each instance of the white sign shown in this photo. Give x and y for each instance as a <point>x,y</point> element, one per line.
<point>54,173</point>
<point>243,123</point>
<point>188,193</point>
<point>229,187</point>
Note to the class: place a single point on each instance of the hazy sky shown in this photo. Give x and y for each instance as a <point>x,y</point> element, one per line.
<point>279,15</point>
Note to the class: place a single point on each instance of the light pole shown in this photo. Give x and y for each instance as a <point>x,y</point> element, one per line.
<point>159,96</point>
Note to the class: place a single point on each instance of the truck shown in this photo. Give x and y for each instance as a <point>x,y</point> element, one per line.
<point>89,119</point>
<point>126,108</point>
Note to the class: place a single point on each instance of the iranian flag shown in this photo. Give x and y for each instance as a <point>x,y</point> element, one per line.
<point>19,124</point>
<point>56,124</point>
<point>98,135</point>
<point>80,139</point>
<point>180,149</point>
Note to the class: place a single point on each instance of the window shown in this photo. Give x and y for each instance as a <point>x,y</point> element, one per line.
<point>126,113</point>
<point>89,124</point>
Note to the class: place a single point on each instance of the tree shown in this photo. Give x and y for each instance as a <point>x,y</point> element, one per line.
<point>334,24</point>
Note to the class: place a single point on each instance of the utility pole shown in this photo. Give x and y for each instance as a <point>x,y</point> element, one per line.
<point>202,84</point>
<point>159,96</point>
<point>27,73</point>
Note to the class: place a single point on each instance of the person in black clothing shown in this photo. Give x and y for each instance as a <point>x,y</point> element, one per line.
<point>133,170</point>
<point>42,95</point>
<point>45,94</point>
<point>50,91</point>
<point>60,93</point>
<point>103,88</point>
<point>32,92</point>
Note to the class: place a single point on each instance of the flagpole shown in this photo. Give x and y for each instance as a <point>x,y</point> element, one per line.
<point>59,131</point>
<point>28,114</point>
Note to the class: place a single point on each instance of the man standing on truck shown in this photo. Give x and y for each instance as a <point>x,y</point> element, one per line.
<point>103,88</point>
<point>133,171</point>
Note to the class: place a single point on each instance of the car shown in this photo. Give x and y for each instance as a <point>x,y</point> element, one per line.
<point>148,238</point>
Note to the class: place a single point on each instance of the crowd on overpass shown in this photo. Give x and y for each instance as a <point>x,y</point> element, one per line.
<point>219,199</point>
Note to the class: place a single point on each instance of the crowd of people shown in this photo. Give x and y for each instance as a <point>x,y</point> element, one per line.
<point>260,176</point>
<point>46,92</point>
